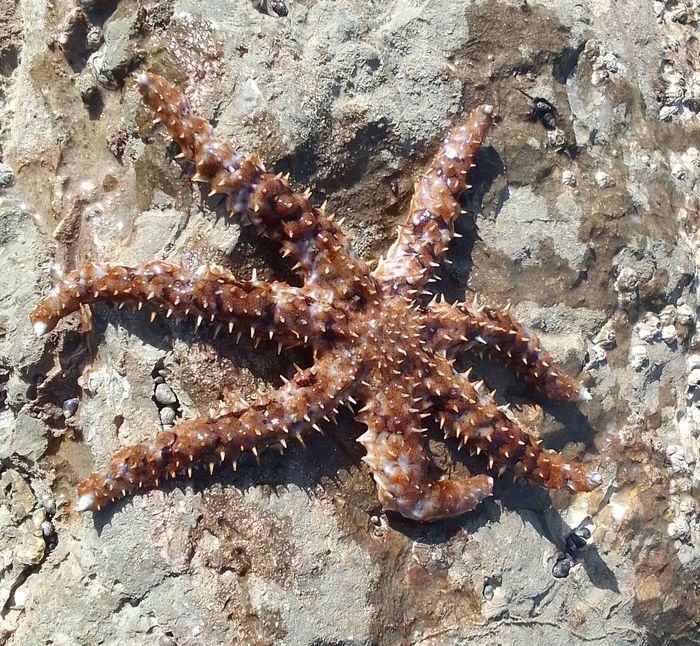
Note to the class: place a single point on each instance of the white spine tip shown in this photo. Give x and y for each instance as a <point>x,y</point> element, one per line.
<point>143,80</point>
<point>490,481</point>
<point>40,328</point>
<point>86,502</point>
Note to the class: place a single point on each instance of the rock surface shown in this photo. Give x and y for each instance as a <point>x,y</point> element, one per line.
<point>587,224</point>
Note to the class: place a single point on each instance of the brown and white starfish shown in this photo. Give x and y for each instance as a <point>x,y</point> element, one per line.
<point>375,340</point>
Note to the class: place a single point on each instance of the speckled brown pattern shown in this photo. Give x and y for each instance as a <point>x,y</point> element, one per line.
<point>376,343</point>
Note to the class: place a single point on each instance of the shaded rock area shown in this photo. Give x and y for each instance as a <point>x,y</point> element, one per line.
<point>584,215</point>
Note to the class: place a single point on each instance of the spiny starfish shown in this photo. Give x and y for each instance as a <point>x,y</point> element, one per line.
<point>375,339</point>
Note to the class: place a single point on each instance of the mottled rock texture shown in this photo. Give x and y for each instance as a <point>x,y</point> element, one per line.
<point>585,218</point>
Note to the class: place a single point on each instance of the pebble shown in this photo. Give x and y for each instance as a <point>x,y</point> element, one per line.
<point>47,529</point>
<point>70,407</point>
<point>164,395</point>
<point>49,504</point>
<point>7,177</point>
<point>167,416</point>
<point>562,568</point>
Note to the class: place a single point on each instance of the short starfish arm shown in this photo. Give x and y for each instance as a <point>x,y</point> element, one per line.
<point>423,239</point>
<point>497,333</point>
<point>399,465</point>
<point>305,232</point>
<point>276,418</point>
<point>211,294</point>
<point>470,414</point>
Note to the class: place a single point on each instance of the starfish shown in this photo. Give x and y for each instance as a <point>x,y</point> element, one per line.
<point>377,344</point>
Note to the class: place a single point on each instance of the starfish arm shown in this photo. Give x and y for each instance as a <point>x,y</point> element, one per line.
<point>305,232</point>
<point>211,294</point>
<point>497,333</point>
<point>396,456</point>
<point>225,436</point>
<point>470,414</point>
<point>423,239</point>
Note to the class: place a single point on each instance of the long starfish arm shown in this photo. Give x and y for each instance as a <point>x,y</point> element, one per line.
<point>305,232</point>
<point>499,334</point>
<point>470,414</point>
<point>211,294</point>
<point>423,239</point>
<point>276,418</point>
<point>399,466</point>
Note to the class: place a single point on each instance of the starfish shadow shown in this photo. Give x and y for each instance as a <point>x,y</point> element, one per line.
<point>325,459</point>
<point>573,424</point>
<point>533,502</point>
<point>533,505</point>
<point>489,167</point>
<point>262,361</point>
<point>310,468</point>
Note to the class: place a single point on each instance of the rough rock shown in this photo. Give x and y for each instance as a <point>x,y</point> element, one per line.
<point>586,221</point>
